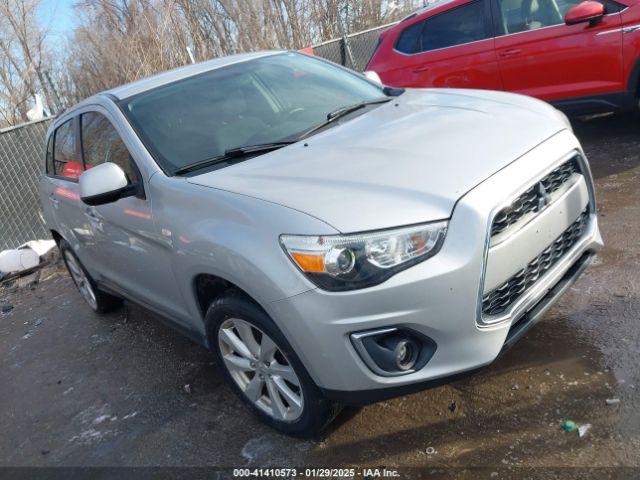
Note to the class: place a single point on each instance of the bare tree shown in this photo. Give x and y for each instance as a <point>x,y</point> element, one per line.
<point>118,41</point>
<point>23,54</point>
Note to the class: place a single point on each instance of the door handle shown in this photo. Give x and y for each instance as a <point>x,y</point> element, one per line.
<point>512,52</point>
<point>420,69</point>
<point>89,212</point>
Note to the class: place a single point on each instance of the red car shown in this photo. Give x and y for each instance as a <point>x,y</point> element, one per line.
<point>581,56</point>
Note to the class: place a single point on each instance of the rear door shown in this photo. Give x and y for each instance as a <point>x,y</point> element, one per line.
<point>453,48</point>
<point>64,194</point>
<point>541,56</point>
<point>48,203</point>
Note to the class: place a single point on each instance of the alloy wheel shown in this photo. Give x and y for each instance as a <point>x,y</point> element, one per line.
<point>81,280</point>
<point>261,370</point>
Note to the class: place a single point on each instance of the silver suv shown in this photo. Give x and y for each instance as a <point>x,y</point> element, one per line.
<point>333,241</point>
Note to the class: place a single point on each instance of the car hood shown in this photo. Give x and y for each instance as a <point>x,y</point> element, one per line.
<point>404,162</point>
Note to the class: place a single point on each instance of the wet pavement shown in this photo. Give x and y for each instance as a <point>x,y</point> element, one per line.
<point>82,390</point>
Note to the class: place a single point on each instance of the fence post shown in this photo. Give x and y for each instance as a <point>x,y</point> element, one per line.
<point>348,55</point>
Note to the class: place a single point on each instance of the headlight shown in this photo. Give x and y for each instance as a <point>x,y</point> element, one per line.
<point>347,262</point>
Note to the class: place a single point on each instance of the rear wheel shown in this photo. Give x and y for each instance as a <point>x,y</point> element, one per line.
<point>99,301</point>
<point>636,111</point>
<point>262,368</point>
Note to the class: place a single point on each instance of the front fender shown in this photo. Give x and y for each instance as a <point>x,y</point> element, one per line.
<point>231,236</point>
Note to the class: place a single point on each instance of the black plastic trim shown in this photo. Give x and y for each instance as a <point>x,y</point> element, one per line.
<point>621,101</point>
<point>533,316</point>
<point>367,397</point>
<point>377,356</point>
<point>191,334</point>
<point>131,190</point>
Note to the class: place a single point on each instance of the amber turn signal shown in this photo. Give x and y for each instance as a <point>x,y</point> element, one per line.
<point>309,263</point>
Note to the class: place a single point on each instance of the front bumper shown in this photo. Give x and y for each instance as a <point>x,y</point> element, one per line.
<point>515,333</point>
<point>440,297</point>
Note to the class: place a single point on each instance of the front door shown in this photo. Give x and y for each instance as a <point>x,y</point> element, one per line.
<point>541,56</point>
<point>132,256</point>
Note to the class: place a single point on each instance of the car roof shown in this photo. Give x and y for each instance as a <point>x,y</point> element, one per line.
<point>133,88</point>
<point>142,85</point>
<point>430,6</point>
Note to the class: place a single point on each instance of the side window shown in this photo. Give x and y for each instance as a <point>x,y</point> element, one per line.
<point>525,15</point>
<point>65,160</point>
<point>49,156</point>
<point>611,7</point>
<point>460,25</point>
<point>101,143</point>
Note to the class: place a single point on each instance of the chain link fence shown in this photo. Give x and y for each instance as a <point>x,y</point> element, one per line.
<point>22,151</point>
<point>353,51</point>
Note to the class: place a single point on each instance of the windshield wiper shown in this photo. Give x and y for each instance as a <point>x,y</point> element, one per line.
<point>232,154</point>
<point>241,152</point>
<point>259,148</point>
<point>341,112</point>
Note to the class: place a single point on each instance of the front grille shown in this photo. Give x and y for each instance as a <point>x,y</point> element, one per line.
<point>530,201</point>
<point>501,298</point>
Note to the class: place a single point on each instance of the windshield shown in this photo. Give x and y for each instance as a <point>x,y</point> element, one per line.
<point>266,100</point>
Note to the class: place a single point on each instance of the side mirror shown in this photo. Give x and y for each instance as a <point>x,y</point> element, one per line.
<point>105,183</point>
<point>373,76</point>
<point>588,11</point>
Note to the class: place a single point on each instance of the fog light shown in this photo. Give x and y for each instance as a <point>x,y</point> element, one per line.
<point>393,351</point>
<point>406,352</point>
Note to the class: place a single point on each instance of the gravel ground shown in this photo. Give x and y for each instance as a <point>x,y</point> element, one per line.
<point>83,390</point>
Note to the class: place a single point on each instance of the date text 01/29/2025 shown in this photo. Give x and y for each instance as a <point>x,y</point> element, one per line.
<point>315,473</point>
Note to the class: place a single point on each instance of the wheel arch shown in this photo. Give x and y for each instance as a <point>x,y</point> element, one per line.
<point>56,236</point>
<point>208,287</point>
<point>633,82</point>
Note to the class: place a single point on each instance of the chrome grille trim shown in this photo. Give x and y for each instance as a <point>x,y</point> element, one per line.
<point>537,291</point>
<point>502,297</point>
<point>535,198</point>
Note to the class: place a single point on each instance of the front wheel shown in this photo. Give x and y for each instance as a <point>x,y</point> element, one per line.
<point>263,369</point>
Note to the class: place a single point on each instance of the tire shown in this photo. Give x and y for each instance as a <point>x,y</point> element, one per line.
<point>98,300</point>
<point>306,412</point>
<point>635,112</point>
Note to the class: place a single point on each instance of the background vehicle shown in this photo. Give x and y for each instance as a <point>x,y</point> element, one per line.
<point>314,229</point>
<point>580,56</point>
